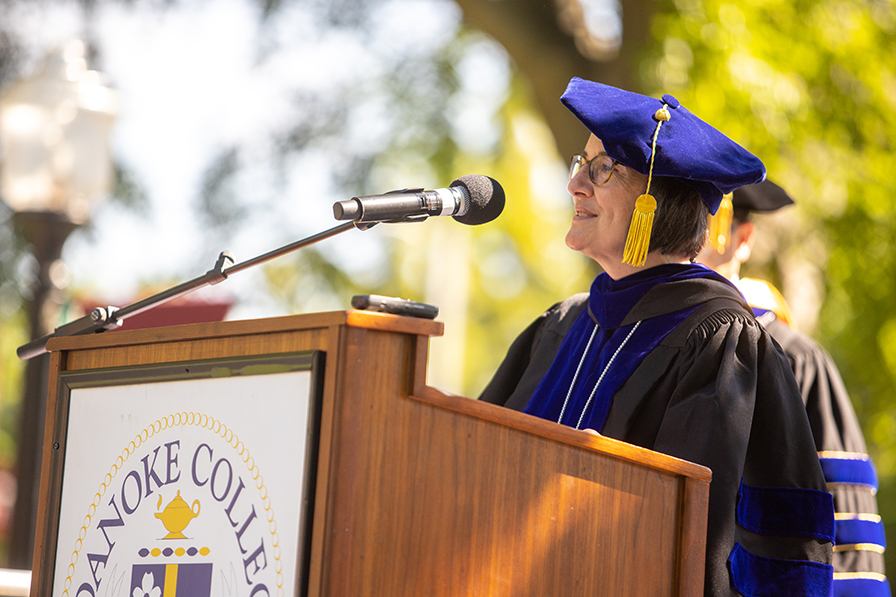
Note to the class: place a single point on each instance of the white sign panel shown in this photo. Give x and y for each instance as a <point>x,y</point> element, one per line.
<point>189,488</point>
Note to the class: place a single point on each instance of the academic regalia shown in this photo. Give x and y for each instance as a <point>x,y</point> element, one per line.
<point>671,358</point>
<point>715,390</point>
<point>849,472</point>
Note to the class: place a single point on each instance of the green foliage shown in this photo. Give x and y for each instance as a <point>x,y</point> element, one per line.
<point>522,265</point>
<point>808,86</point>
<point>489,281</point>
<point>12,335</point>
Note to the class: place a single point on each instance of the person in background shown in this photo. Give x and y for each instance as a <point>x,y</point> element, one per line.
<point>665,354</point>
<point>849,472</point>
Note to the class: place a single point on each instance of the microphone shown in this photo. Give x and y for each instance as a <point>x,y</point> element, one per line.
<point>472,200</point>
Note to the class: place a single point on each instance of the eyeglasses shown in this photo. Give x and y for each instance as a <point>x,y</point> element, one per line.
<point>600,167</point>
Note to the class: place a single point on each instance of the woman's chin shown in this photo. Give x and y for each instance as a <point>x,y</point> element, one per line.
<point>573,241</point>
<point>577,241</point>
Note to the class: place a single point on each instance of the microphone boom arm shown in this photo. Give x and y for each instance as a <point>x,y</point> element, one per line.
<point>102,319</point>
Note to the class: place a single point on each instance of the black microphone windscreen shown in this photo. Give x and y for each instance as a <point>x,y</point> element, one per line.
<point>486,199</point>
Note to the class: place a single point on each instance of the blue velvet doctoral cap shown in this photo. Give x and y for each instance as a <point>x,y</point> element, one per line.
<point>686,148</point>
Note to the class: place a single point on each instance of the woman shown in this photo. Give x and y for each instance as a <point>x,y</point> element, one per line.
<point>664,353</point>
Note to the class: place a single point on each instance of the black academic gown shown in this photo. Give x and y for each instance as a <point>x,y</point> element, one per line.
<point>838,437</point>
<point>716,391</point>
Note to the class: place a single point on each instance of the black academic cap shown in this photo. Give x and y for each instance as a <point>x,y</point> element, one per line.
<point>763,196</point>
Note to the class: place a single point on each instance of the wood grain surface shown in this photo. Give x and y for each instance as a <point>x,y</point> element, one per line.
<point>420,492</point>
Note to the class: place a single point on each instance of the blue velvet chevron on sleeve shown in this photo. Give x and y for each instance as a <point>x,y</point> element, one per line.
<point>786,511</point>
<point>782,511</point>
<point>840,469</point>
<point>858,584</point>
<point>859,531</point>
<point>854,529</point>
<point>757,576</point>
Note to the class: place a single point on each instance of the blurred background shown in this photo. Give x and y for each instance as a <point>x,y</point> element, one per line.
<point>162,132</point>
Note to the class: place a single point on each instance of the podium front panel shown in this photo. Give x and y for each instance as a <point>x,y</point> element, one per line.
<point>189,478</point>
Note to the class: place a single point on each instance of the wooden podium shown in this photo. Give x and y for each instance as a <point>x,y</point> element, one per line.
<point>415,491</point>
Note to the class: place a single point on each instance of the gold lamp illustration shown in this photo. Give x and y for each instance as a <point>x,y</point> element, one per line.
<point>177,515</point>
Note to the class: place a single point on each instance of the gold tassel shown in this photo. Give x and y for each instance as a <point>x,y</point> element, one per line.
<point>720,225</point>
<point>637,244</point>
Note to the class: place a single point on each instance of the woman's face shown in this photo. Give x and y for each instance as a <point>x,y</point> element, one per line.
<point>603,212</point>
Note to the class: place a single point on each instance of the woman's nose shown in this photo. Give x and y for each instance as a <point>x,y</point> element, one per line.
<point>580,183</point>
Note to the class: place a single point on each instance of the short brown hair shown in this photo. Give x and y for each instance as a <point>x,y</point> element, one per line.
<point>679,225</point>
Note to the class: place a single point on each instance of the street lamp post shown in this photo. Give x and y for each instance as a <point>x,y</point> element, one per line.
<point>54,165</point>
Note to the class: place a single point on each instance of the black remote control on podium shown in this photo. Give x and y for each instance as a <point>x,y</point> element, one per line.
<point>396,306</point>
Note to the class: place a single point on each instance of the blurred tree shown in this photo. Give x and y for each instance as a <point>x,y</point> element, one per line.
<point>501,267</point>
<point>806,85</point>
<point>404,121</point>
<point>550,42</point>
